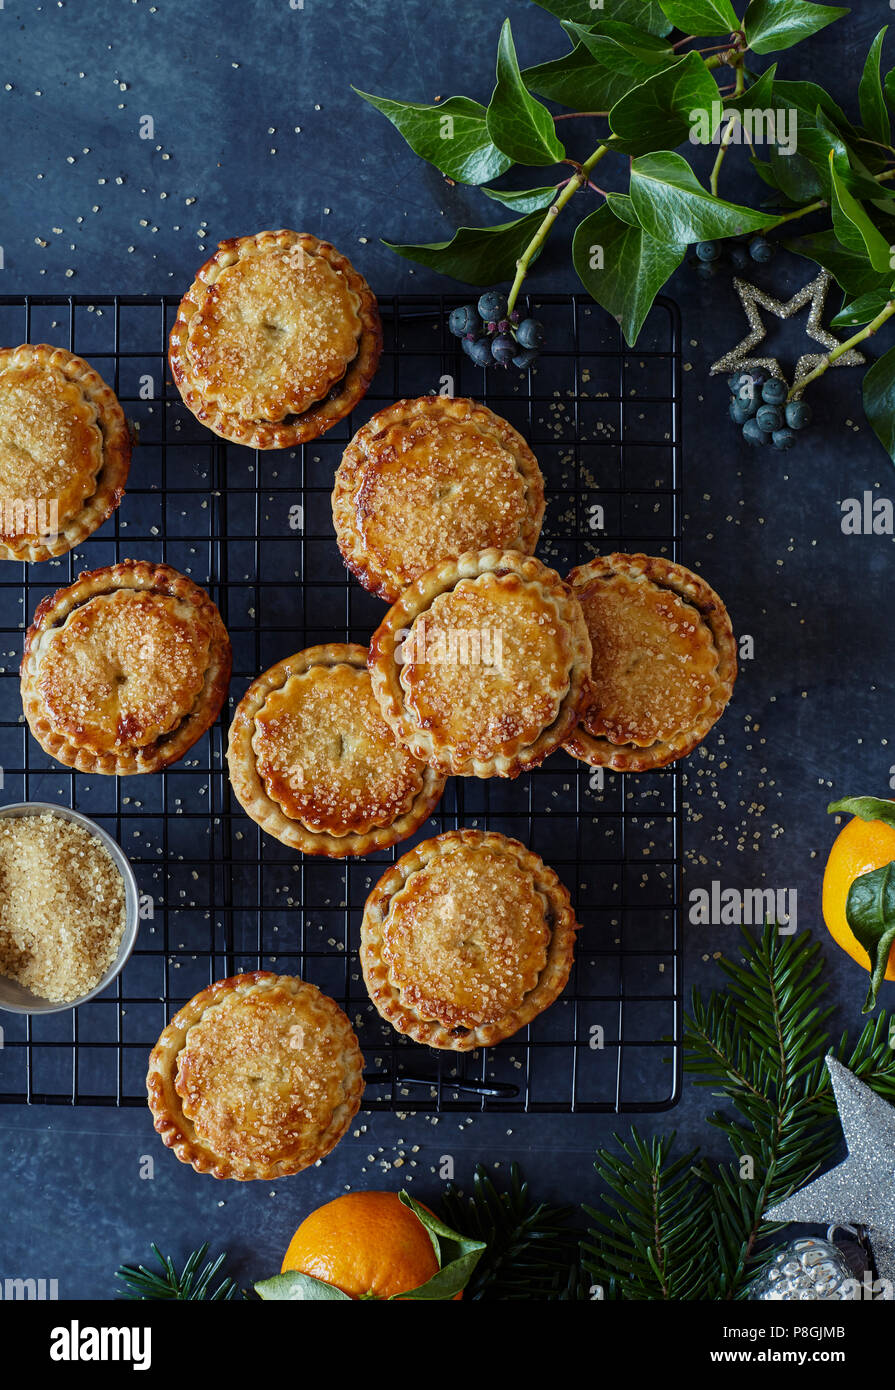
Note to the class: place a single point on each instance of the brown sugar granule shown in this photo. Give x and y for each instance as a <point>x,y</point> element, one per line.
<point>62,906</point>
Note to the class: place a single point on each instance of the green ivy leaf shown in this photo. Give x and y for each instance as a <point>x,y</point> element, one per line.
<point>874,112</point>
<point>702,18</point>
<point>772,25</point>
<point>634,265</point>
<point>879,400</point>
<point>518,124</point>
<point>523,200</point>
<point>870,912</point>
<point>862,309</point>
<point>851,223</point>
<point>851,270</point>
<point>296,1287</point>
<point>657,114</point>
<point>477,255</point>
<point>452,135</point>
<point>644,14</point>
<point>602,66</point>
<point>457,1255</point>
<point>865,807</point>
<point>672,205</point>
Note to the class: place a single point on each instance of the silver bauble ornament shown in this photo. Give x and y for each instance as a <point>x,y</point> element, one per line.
<point>807,1268</point>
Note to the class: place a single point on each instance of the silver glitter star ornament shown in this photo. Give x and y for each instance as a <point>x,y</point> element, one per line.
<point>753,299</point>
<point>861,1191</point>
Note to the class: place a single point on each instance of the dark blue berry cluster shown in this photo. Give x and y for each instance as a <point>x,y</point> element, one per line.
<point>492,335</point>
<point>711,255</point>
<point>760,406</point>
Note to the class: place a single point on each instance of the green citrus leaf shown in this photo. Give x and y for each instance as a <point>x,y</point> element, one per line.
<point>643,14</point>
<point>772,25</point>
<point>851,223</point>
<point>478,255</point>
<point>866,807</point>
<point>870,912</point>
<point>452,135</point>
<point>672,205</point>
<point>603,66</point>
<point>657,115</point>
<point>874,112</point>
<point>879,400</point>
<point>620,265</point>
<point>518,124</point>
<point>702,18</point>
<point>524,200</point>
<point>299,1288</point>
<point>457,1256</point>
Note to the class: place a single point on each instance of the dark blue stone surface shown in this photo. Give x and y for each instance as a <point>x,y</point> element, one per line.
<point>256,126</point>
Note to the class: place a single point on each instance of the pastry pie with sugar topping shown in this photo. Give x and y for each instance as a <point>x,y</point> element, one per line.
<point>277,339</point>
<point>466,939</point>
<point>65,451</point>
<point>664,661</point>
<point>481,665</point>
<point>258,1076</point>
<point>125,669</point>
<point>428,478</point>
<point>313,761</point>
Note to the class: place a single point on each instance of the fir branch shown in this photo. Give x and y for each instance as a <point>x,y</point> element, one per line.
<point>531,1249</point>
<point>192,1283</point>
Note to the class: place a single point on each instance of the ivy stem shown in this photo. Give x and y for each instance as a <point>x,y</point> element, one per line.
<point>828,360</point>
<point>573,115</point>
<point>578,180</point>
<point>722,151</point>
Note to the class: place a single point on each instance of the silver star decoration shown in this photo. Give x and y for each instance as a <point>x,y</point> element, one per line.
<point>861,1191</point>
<point>753,299</point>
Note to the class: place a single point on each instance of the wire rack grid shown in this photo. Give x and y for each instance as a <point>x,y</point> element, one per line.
<point>256,530</point>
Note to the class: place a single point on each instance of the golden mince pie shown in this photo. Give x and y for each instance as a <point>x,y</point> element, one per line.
<point>277,338</point>
<point>65,451</point>
<point>429,478</point>
<point>481,666</point>
<point>314,762</point>
<point>258,1076</point>
<point>664,661</point>
<point>466,939</point>
<point>125,669</point>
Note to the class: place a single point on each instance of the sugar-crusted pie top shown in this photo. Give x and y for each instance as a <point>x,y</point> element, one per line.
<point>124,669</point>
<point>257,1077</point>
<point>467,938</point>
<point>480,666</point>
<point>664,660</point>
<point>64,451</point>
<point>429,478</point>
<point>314,762</point>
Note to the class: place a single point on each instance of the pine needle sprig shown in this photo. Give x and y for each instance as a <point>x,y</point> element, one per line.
<point>649,1243</point>
<point>696,1228</point>
<point>193,1282</point>
<point>531,1249</point>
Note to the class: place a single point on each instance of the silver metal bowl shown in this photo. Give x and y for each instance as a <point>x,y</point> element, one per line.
<point>15,998</point>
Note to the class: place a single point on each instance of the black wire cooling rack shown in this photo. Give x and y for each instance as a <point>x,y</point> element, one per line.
<point>256,530</point>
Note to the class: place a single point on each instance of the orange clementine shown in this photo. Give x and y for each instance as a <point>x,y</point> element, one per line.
<point>860,846</point>
<point>368,1244</point>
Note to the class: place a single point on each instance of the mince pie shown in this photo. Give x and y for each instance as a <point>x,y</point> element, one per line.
<point>313,761</point>
<point>664,661</point>
<point>277,338</point>
<point>481,666</point>
<point>428,478</point>
<point>466,939</point>
<point>125,669</point>
<point>258,1076</point>
<point>65,451</point>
